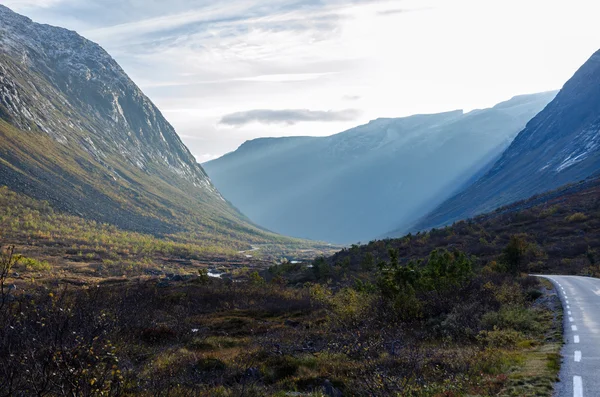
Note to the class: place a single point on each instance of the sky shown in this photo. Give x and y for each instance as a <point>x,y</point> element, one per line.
<point>226,71</point>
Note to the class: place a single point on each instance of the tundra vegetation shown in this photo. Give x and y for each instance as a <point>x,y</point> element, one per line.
<point>443,326</point>
<point>445,313</point>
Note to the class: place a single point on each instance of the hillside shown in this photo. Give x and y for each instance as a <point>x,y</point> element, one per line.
<point>560,231</point>
<point>364,182</point>
<point>560,145</point>
<point>77,132</point>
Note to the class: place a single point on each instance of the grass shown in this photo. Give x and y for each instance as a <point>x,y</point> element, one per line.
<point>539,372</point>
<point>62,245</point>
<point>209,337</point>
<point>57,191</point>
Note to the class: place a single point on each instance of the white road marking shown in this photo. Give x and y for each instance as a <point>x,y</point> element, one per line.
<point>571,319</point>
<point>577,386</point>
<point>568,307</point>
<point>576,339</point>
<point>574,327</point>
<point>570,313</point>
<point>577,356</point>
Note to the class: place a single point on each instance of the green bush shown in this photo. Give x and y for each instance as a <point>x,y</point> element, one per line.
<point>500,338</point>
<point>512,317</point>
<point>33,265</point>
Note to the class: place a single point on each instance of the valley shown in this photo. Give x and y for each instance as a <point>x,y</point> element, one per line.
<point>127,268</point>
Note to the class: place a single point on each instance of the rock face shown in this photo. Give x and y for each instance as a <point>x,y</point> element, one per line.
<point>362,183</point>
<point>561,145</point>
<point>75,130</point>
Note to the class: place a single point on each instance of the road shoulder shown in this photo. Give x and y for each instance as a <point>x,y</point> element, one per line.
<point>540,362</point>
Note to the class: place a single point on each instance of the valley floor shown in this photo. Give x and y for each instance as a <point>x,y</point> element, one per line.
<point>493,335</point>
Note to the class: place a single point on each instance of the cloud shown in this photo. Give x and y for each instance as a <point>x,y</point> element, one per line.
<point>282,78</point>
<point>227,18</point>
<point>31,3</point>
<point>392,12</point>
<point>288,117</point>
<point>396,11</point>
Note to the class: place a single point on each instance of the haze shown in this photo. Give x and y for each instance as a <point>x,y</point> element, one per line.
<point>228,71</point>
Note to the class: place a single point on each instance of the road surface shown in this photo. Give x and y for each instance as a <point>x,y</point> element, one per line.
<point>580,370</point>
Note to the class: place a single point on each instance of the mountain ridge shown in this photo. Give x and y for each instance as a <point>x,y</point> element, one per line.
<point>76,131</point>
<point>561,145</point>
<point>354,185</point>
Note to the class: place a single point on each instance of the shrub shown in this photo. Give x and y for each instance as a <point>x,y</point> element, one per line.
<point>509,294</point>
<point>515,318</point>
<point>157,335</point>
<point>33,265</point>
<point>549,211</point>
<point>513,254</point>
<point>534,294</point>
<point>256,279</point>
<point>500,338</point>
<point>576,217</point>
<point>210,364</point>
<point>321,269</point>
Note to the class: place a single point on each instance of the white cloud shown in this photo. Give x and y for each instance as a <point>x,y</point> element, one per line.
<point>28,4</point>
<point>201,59</point>
<point>288,116</point>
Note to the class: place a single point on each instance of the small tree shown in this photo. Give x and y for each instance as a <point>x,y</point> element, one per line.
<point>446,270</point>
<point>513,255</point>
<point>8,260</point>
<point>321,268</point>
<point>368,262</point>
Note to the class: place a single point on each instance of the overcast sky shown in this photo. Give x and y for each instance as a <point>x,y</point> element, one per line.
<point>225,71</point>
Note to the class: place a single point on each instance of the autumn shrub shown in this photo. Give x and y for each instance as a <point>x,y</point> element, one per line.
<point>507,338</point>
<point>576,217</point>
<point>517,318</point>
<point>31,264</point>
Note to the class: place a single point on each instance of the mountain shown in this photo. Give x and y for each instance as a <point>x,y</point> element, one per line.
<point>561,228</point>
<point>560,145</point>
<point>361,183</point>
<point>76,131</point>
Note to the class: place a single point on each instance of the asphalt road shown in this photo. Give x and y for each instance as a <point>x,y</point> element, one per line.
<point>580,371</point>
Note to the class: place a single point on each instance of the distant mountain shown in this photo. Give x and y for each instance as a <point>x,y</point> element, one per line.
<point>560,145</point>
<point>362,183</point>
<point>76,131</point>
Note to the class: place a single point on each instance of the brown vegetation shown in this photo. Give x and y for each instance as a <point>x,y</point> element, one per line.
<point>470,334</point>
<point>559,233</point>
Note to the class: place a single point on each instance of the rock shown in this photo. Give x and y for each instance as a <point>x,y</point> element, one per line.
<point>253,373</point>
<point>291,323</point>
<point>330,390</point>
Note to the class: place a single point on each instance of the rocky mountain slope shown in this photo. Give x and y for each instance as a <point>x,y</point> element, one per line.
<point>560,145</point>
<point>75,130</point>
<point>362,183</point>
